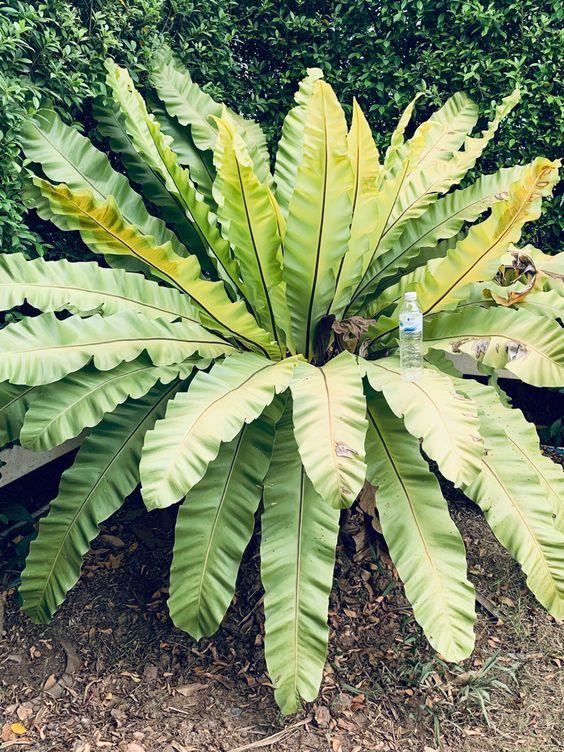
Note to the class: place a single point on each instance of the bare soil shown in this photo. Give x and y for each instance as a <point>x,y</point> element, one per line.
<point>112,673</point>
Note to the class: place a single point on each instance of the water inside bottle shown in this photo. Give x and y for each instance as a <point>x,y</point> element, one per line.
<point>411,338</point>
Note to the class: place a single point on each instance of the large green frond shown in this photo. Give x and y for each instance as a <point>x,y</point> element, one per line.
<point>104,472</point>
<point>476,257</point>
<point>330,427</point>
<point>433,411</point>
<point>14,401</point>
<point>393,160</point>
<point>193,107</point>
<point>214,526</point>
<point>423,541</point>
<point>522,439</point>
<point>423,182</point>
<point>68,157</point>
<point>81,287</point>
<point>428,155</point>
<point>444,219</point>
<point>155,147</point>
<point>198,163</point>
<point>444,132</point>
<point>319,216</point>
<point>290,148</point>
<point>80,400</point>
<point>181,446</point>
<point>103,227</point>
<point>517,510</point>
<point>248,217</point>
<point>111,125</point>
<point>387,197</point>
<point>529,346</point>
<point>299,536</point>
<point>42,349</point>
<point>367,171</point>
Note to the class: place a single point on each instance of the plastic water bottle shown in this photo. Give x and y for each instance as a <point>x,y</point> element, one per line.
<point>411,338</point>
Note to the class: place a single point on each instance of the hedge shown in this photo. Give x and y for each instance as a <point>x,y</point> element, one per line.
<point>252,54</point>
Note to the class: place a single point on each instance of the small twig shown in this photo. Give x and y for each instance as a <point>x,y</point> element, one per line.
<point>2,602</point>
<point>16,743</point>
<point>488,605</point>
<point>277,737</point>
<point>178,710</point>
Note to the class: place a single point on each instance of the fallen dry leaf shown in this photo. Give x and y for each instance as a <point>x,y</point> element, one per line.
<point>464,678</point>
<point>112,540</point>
<point>18,728</point>
<point>358,702</point>
<point>322,716</point>
<point>150,672</point>
<point>134,747</point>
<point>6,733</point>
<point>23,712</point>
<point>50,682</point>
<point>189,689</point>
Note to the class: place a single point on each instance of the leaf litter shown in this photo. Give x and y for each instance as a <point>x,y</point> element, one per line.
<point>112,673</point>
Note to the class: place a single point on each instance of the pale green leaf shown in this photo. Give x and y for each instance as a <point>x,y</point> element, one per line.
<point>155,147</point>
<point>192,106</point>
<point>290,148</point>
<point>104,229</point>
<point>105,471</point>
<point>111,124</point>
<point>14,401</point>
<point>214,526</point>
<point>68,157</point>
<point>366,208</point>
<point>319,216</point>
<point>433,411</point>
<point>299,536</point>
<point>181,446</point>
<point>42,349</point>
<point>80,400</point>
<point>517,510</point>
<point>529,346</point>
<point>81,287</point>
<point>330,427</point>
<point>423,541</point>
<point>444,219</point>
<point>246,211</point>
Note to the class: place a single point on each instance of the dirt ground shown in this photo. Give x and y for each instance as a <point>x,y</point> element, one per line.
<point>112,673</point>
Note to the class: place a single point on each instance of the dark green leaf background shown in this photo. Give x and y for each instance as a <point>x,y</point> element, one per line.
<point>256,51</point>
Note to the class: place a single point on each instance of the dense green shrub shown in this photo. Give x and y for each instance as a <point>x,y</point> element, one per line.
<point>254,51</point>
<point>54,51</point>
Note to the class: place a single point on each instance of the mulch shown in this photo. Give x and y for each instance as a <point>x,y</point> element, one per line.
<point>112,673</point>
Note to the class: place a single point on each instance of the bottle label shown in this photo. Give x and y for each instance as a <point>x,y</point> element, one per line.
<point>411,323</point>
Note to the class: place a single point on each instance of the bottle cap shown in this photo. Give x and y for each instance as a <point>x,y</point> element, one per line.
<point>410,296</point>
